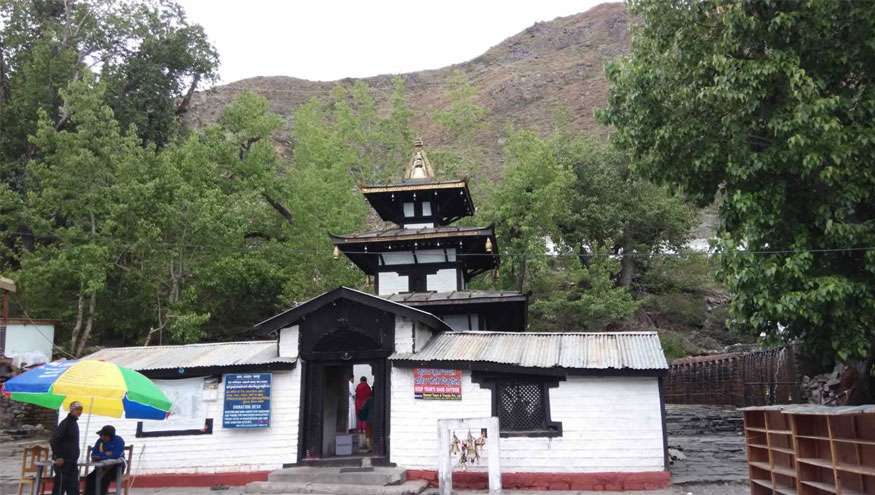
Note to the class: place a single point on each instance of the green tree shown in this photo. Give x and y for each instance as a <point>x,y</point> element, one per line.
<point>70,207</point>
<point>574,296</point>
<point>147,54</point>
<point>527,205</point>
<point>461,121</point>
<point>609,205</point>
<point>575,227</point>
<point>768,107</point>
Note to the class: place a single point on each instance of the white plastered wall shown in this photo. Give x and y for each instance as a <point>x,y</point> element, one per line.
<point>288,342</point>
<point>225,450</point>
<point>392,283</point>
<point>609,424</point>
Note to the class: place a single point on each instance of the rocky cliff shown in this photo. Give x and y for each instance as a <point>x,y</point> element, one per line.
<point>525,81</point>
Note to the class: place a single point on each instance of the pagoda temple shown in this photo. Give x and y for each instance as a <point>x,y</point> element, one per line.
<point>358,379</point>
<point>424,261</point>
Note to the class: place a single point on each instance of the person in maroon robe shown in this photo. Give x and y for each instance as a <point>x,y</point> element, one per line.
<point>363,395</point>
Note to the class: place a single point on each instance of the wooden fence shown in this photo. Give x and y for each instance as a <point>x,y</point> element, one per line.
<point>741,379</point>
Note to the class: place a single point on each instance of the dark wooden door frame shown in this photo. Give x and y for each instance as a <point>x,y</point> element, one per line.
<point>310,429</point>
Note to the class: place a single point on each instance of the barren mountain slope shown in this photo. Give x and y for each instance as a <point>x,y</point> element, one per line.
<point>522,81</point>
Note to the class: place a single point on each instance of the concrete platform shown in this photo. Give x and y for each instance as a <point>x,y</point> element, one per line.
<point>375,476</point>
<point>276,488</point>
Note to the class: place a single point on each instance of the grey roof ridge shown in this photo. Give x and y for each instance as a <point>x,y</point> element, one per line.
<point>195,344</point>
<point>440,324</point>
<point>493,332</point>
<point>421,311</point>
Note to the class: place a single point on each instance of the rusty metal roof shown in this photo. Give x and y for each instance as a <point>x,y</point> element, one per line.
<point>224,354</point>
<point>598,351</point>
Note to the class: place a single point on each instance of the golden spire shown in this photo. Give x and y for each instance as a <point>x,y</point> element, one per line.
<point>419,166</point>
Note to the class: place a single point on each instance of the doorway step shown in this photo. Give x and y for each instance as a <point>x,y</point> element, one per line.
<point>338,481</point>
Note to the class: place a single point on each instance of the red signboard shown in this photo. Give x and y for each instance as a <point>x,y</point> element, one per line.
<point>437,384</point>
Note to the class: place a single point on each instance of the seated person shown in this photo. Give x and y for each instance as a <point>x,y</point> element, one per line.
<point>108,446</point>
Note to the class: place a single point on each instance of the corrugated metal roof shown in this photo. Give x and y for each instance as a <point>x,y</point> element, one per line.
<point>621,350</point>
<point>193,355</point>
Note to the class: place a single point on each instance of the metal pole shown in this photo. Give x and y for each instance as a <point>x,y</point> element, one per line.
<point>120,476</point>
<point>3,323</point>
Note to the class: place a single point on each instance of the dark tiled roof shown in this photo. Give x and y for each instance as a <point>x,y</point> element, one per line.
<point>455,297</point>
<point>414,185</point>
<point>412,234</point>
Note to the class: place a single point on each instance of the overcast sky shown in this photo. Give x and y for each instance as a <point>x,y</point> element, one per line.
<point>332,39</point>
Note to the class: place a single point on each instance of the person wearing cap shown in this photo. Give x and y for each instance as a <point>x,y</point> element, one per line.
<point>65,453</point>
<point>108,446</point>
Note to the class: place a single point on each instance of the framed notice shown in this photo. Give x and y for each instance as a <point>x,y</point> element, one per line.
<point>188,414</point>
<point>247,400</point>
<point>437,384</point>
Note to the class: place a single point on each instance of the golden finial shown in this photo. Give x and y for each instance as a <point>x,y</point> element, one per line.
<point>419,166</point>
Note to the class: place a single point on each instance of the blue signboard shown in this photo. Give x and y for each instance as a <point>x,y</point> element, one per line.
<point>247,400</point>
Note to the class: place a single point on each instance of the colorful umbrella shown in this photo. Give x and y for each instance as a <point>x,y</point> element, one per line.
<point>103,388</point>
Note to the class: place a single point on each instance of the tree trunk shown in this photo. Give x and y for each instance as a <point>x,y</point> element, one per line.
<point>89,324</point>
<point>627,262</point>
<point>182,108</point>
<point>4,77</point>
<point>280,208</point>
<point>77,328</point>
<point>521,275</point>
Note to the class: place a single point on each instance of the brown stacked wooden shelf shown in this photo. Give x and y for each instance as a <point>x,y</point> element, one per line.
<point>811,450</point>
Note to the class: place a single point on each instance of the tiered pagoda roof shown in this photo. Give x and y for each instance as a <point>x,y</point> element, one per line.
<point>422,207</point>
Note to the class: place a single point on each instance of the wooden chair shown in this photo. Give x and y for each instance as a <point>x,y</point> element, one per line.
<point>29,459</point>
<point>126,479</point>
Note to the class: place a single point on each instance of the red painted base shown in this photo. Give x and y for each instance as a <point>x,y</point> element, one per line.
<point>651,480</point>
<point>198,479</point>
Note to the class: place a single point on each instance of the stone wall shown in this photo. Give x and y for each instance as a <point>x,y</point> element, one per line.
<point>16,418</point>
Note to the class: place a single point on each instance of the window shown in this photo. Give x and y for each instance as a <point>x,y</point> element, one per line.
<point>521,403</point>
<point>408,209</point>
<point>522,406</point>
<point>426,208</point>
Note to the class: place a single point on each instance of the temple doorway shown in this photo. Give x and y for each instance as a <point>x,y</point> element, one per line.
<point>345,410</point>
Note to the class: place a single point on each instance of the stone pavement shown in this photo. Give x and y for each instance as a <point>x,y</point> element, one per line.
<point>703,489</point>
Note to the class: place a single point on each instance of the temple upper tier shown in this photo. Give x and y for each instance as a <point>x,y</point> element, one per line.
<point>422,253</point>
<point>420,200</point>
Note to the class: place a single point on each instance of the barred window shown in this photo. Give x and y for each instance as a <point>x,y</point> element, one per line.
<point>521,403</point>
<point>521,406</point>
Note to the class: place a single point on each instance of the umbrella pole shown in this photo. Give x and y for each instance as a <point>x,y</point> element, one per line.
<point>87,425</point>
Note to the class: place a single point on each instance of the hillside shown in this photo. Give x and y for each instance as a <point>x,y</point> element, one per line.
<point>522,81</point>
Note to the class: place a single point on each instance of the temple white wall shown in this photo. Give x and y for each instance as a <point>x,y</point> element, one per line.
<point>225,450</point>
<point>609,424</point>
